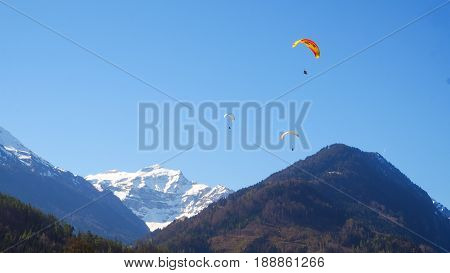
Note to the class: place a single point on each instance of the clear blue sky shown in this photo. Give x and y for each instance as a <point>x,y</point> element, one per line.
<point>81,114</point>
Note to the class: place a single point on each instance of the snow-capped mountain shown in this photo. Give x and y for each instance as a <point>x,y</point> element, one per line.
<point>33,180</point>
<point>442,209</point>
<point>158,195</point>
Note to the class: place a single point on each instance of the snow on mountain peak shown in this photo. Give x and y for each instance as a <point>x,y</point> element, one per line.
<point>8,140</point>
<point>13,151</point>
<point>112,171</point>
<point>11,147</point>
<point>158,195</point>
<point>151,168</point>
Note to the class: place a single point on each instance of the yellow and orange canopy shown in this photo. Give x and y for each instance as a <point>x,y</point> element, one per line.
<point>310,44</point>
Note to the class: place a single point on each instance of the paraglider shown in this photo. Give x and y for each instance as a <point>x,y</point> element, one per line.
<point>292,134</point>
<point>309,44</point>
<point>230,118</point>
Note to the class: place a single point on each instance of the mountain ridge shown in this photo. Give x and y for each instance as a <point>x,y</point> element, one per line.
<point>28,177</point>
<point>301,209</point>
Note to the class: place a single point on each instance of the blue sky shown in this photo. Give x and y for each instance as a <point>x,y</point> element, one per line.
<point>81,114</point>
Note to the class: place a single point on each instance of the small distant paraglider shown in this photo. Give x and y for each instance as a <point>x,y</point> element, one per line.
<point>230,119</point>
<point>311,45</point>
<point>290,133</point>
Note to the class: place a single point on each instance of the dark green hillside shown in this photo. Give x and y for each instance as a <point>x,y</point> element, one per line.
<point>18,221</point>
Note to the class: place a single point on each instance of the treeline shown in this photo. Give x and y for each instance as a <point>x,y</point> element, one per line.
<point>26,229</point>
